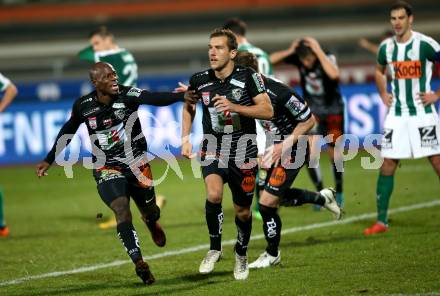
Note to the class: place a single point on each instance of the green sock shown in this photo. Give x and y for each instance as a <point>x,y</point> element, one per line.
<point>384,189</point>
<point>2,221</point>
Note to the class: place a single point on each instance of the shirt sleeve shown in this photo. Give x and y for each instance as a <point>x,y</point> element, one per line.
<point>4,82</point>
<point>431,49</point>
<point>144,97</point>
<point>255,83</point>
<point>69,128</point>
<point>298,108</point>
<point>381,55</point>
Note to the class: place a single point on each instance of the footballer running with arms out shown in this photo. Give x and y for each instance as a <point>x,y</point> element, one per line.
<point>103,48</point>
<point>320,85</point>
<point>284,158</point>
<point>232,97</point>
<point>412,125</point>
<point>121,169</point>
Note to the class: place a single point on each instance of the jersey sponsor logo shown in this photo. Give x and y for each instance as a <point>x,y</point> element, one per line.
<point>87,100</point>
<point>258,82</point>
<point>92,122</point>
<point>91,111</point>
<point>278,177</point>
<point>237,83</point>
<point>248,183</point>
<point>134,92</point>
<point>205,85</point>
<point>118,105</point>
<point>237,93</point>
<point>387,139</point>
<point>111,137</point>
<point>407,69</point>
<point>107,122</point>
<point>428,136</point>
<point>206,98</point>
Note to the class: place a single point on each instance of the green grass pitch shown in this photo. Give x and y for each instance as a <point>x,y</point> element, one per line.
<point>53,223</point>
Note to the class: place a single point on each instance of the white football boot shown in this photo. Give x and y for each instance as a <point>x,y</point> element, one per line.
<point>209,261</point>
<point>241,269</point>
<point>266,260</point>
<point>330,202</point>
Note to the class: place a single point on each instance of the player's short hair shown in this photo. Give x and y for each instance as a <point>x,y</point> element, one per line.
<point>231,40</point>
<point>102,31</point>
<point>236,25</point>
<point>247,59</point>
<point>402,4</point>
<point>303,50</point>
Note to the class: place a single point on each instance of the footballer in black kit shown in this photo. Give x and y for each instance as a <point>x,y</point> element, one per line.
<point>320,85</point>
<point>232,97</point>
<point>286,153</point>
<point>322,95</point>
<point>120,169</point>
<point>233,154</point>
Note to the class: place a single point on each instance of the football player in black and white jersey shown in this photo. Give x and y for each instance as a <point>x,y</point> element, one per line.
<point>286,153</point>
<point>232,97</point>
<point>120,169</point>
<point>320,85</point>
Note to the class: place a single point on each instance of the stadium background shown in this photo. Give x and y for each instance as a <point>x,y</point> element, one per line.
<point>40,41</point>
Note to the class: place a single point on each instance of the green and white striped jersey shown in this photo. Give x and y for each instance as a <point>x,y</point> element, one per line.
<point>122,60</point>
<point>264,64</point>
<point>410,65</point>
<point>4,82</point>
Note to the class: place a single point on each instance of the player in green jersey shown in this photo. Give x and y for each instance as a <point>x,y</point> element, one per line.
<point>10,92</point>
<point>104,49</point>
<point>412,125</point>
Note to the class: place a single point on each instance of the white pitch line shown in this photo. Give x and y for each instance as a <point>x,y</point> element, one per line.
<point>226,243</point>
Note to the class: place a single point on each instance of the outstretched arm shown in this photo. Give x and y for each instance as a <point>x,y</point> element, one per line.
<point>69,128</point>
<point>8,97</point>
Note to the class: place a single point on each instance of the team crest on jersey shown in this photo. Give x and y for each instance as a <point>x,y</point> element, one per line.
<point>428,136</point>
<point>206,98</point>
<point>107,122</point>
<point>120,114</point>
<point>134,92</point>
<point>92,122</point>
<point>237,93</point>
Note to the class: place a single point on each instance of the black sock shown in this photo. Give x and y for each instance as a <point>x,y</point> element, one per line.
<point>129,238</point>
<point>338,178</point>
<point>271,228</point>
<point>315,175</point>
<point>244,229</point>
<point>214,219</point>
<point>294,197</point>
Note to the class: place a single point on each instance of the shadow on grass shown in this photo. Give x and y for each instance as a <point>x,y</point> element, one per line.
<point>160,287</point>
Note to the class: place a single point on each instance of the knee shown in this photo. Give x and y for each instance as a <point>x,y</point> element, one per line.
<point>150,214</point>
<point>243,213</point>
<point>388,167</point>
<point>214,196</point>
<point>121,209</point>
<point>268,200</point>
